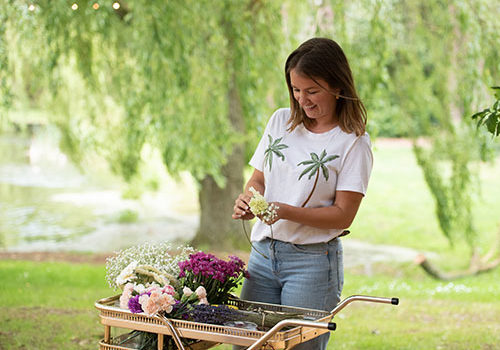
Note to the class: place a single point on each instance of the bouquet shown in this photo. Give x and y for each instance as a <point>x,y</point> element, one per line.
<point>154,281</point>
<point>188,285</point>
<point>218,277</point>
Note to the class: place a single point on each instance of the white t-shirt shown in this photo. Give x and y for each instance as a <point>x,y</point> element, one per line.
<point>291,161</point>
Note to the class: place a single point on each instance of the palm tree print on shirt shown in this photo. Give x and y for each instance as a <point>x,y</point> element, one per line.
<point>314,165</point>
<point>274,148</point>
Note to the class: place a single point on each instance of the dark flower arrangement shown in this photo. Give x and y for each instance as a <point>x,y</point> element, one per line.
<point>218,277</point>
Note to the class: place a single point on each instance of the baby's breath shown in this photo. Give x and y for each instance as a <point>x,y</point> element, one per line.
<point>156,255</point>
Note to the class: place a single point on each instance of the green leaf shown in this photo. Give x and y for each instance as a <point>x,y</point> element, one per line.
<point>314,170</point>
<point>480,115</point>
<point>305,162</point>
<point>325,172</point>
<point>491,123</point>
<point>279,154</point>
<point>282,146</point>
<point>277,141</point>
<point>267,159</point>
<point>323,154</point>
<point>330,158</point>
<point>314,157</point>
<point>497,91</point>
<point>270,139</point>
<point>307,170</point>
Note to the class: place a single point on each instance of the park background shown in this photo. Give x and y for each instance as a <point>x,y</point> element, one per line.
<point>133,123</point>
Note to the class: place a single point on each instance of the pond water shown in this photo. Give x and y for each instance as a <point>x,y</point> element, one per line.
<point>47,204</point>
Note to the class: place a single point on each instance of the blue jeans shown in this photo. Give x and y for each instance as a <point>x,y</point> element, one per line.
<point>310,276</point>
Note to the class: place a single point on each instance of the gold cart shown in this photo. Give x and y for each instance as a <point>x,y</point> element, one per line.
<point>284,335</point>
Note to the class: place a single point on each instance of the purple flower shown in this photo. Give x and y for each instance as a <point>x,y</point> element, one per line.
<point>134,306</point>
<point>218,276</point>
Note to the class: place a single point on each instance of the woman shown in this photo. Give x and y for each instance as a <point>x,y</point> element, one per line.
<point>313,163</point>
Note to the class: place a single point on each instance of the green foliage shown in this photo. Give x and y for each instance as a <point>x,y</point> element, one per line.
<point>490,116</point>
<point>5,90</point>
<point>417,65</point>
<point>195,79</point>
<point>400,209</point>
<point>157,74</point>
<point>128,216</point>
<point>450,179</point>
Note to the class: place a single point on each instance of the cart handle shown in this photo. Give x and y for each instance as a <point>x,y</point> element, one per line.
<point>175,334</point>
<point>346,301</point>
<point>285,323</point>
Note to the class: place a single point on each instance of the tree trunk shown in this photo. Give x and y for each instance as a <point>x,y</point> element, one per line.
<point>217,228</point>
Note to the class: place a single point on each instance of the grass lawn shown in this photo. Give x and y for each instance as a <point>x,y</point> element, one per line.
<point>49,305</point>
<point>399,209</point>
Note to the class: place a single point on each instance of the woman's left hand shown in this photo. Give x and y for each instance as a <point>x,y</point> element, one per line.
<point>278,210</point>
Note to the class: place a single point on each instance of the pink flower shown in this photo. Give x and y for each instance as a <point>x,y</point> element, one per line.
<point>126,295</point>
<point>150,307</point>
<point>155,297</point>
<point>169,290</point>
<point>167,303</point>
<point>153,287</point>
<point>203,301</point>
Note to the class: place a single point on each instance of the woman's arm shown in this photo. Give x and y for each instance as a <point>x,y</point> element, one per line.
<point>240,210</point>
<point>337,216</point>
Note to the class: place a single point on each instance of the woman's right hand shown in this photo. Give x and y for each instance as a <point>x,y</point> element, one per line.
<point>241,209</point>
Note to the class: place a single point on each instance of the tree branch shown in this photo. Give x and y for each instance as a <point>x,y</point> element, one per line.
<point>475,268</point>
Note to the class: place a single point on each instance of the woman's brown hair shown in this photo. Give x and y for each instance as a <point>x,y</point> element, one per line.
<point>322,58</point>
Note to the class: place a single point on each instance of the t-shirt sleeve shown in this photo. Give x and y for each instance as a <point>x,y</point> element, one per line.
<point>257,160</point>
<point>356,169</point>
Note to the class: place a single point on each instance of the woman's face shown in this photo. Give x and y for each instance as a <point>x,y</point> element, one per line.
<point>317,102</point>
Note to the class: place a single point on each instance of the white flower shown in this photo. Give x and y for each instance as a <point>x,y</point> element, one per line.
<point>153,288</point>
<point>127,274</point>
<point>140,288</point>
<point>260,207</point>
<point>201,292</point>
<point>187,291</point>
<point>157,255</point>
<point>258,204</point>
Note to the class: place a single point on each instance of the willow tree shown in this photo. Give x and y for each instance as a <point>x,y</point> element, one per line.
<point>421,70</point>
<point>192,79</point>
<point>455,72</point>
